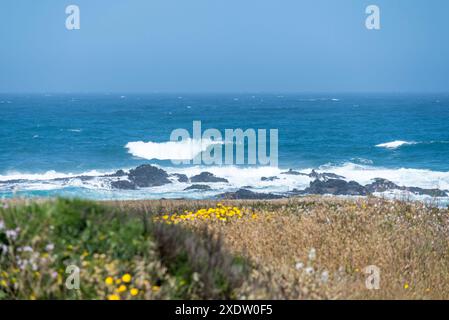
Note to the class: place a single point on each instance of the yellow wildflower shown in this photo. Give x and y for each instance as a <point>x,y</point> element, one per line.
<point>156,288</point>
<point>122,288</point>
<point>113,297</point>
<point>406,286</point>
<point>126,278</point>
<point>134,292</point>
<point>109,281</point>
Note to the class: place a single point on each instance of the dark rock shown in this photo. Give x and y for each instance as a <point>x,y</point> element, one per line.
<point>336,187</point>
<point>181,177</point>
<point>427,192</point>
<point>118,173</point>
<point>242,194</point>
<point>207,177</point>
<point>269,178</point>
<point>381,185</point>
<point>324,175</point>
<point>148,176</point>
<point>202,187</point>
<point>123,184</point>
<point>330,175</point>
<point>314,175</point>
<point>294,173</point>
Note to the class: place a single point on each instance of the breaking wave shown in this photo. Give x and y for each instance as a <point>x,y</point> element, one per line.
<point>395,144</point>
<point>172,150</point>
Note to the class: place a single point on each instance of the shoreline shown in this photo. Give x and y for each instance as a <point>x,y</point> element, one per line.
<point>152,182</point>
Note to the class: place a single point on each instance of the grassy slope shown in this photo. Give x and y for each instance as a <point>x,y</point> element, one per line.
<point>296,249</point>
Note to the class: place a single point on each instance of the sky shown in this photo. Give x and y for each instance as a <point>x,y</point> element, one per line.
<point>147,46</point>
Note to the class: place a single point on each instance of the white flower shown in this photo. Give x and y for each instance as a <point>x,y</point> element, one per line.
<point>324,276</point>
<point>3,249</point>
<point>11,234</point>
<point>299,265</point>
<point>49,247</point>
<point>312,254</point>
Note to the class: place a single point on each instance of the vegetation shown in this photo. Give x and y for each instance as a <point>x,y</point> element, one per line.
<point>304,248</point>
<point>119,255</point>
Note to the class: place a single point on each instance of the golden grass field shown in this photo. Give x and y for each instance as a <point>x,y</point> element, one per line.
<point>298,248</point>
<point>409,242</point>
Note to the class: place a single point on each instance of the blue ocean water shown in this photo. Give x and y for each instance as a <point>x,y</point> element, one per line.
<point>401,137</point>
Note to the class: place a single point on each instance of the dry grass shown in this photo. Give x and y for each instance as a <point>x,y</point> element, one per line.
<point>409,242</point>
<point>299,248</point>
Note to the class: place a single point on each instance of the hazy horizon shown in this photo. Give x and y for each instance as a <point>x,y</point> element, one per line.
<point>224,47</point>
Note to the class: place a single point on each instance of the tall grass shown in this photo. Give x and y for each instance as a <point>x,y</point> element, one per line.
<point>305,248</point>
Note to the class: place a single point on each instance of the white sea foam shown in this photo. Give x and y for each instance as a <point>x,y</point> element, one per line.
<point>171,150</point>
<point>49,175</point>
<point>364,174</point>
<point>395,144</point>
<point>238,177</point>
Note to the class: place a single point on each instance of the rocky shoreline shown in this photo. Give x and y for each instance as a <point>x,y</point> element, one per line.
<point>321,183</point>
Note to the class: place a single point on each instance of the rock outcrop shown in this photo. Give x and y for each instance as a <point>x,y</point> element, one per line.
<point>201,187</point>
<point>324,175</point>
<point>294,173</point>
<point>123,185</point>
<point>207,177</point>
<point>382,185</point>
<point>336,187</point>
<point>180,177</point>
<point>269,178</point>
<point>148,176</point>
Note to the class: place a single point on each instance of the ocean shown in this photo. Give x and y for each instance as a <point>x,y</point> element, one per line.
<point>400,137</point>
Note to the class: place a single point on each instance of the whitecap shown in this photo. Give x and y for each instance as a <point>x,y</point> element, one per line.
<point>364,174</point>
<point>395,144</point>
<point>170,150</point>
<point>49,175</point>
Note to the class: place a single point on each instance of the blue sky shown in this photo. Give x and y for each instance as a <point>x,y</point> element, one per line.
<point>224,46</point>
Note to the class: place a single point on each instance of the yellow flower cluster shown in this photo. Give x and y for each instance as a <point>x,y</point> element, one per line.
<point>124,288</point>
<point>219,213</point>
<point>121,286</point>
